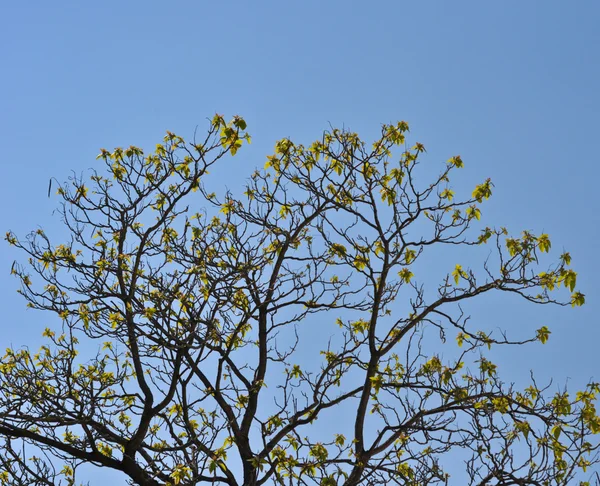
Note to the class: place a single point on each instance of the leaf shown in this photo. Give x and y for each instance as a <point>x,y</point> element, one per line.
<point>485,236</point>
<point>577,299</point>
<point>337,166</point>
<point>405,274</point>
<point>340,439</point>
<point>118,171</point>
<point>483,191</point>
<point>284,211</point>
<point>523,427</point>
<point>473,212</point>
<point>569,278</point>
<point>360,326</point>
<point>48,333</point>
<point>566,258</point>
<point>272,161</point>
<point>296,372</point>
<point>104,154</point>
<point>227,207</point>
<point>368,170</point>
<point>376,382</point>
<point>338,250</point>
<point>542,334</point>
<point>458,273</point>
<point>234,147</point>
<point>544,243</point>
<point>397,174</point>
<point>487,367</point>
<point>447,194</point>
<point>456,161</point>
<point>556,430</point>
<point>388,195</point>
<point>240,122</point>
<point>360,262</point>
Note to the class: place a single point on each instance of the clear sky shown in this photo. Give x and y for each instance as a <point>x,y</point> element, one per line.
<point>512,86</point>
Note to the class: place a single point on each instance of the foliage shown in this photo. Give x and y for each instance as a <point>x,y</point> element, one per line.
<point>196,322</point>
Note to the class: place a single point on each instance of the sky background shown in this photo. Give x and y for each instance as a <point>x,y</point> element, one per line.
<point>511,86</point>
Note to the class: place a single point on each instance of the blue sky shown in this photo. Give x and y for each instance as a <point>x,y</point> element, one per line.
<point>511,86</point>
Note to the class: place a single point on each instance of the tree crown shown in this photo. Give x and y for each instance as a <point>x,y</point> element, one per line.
<point>197,307</point>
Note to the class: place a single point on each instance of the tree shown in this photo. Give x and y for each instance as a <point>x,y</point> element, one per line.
<point>195,310</point>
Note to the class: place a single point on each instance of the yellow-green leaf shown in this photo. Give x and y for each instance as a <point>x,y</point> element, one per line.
<point>543,334</point>
<point>544,243</point>
<point>405,274</point>
<point>577,299</point>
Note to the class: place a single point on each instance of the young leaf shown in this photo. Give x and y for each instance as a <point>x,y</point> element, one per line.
<point>542,334</point>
